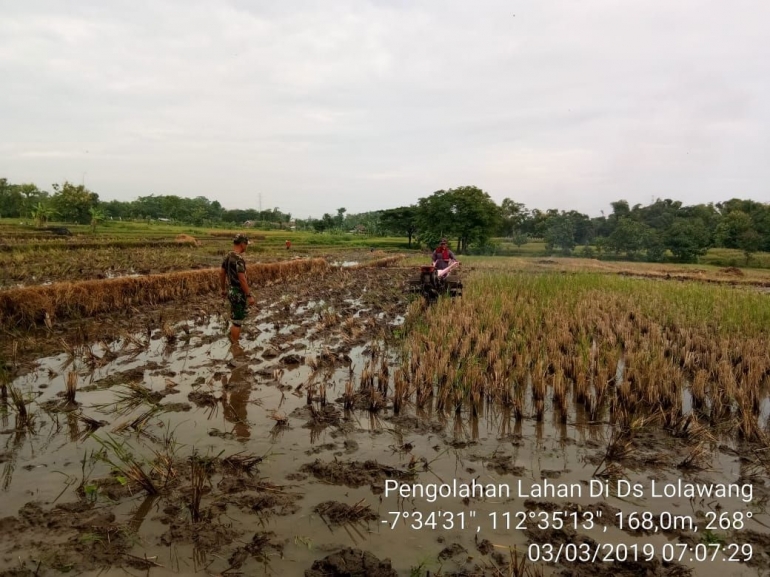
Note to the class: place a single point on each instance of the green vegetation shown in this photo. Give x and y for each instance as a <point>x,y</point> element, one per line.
<point>467,214</point>
<point>664,231</point>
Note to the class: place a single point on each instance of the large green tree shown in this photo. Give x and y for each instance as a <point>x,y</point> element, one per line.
<point>401,221</point>
<point>687,239</point>
<point>513,215</point>
<point>10,199</point>
<point>732,227</point>
<point>565,230</point>
<point>73,203</point>
<point>560,234</point>
<point>19,200</point>
<point>749,242</point>
<point>630,237</point>
<point>467,214</point>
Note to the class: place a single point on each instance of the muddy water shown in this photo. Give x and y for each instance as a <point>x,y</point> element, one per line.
<point>260,407</point>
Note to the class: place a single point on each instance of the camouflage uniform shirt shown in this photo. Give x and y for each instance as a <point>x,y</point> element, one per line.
<point>233,264</point>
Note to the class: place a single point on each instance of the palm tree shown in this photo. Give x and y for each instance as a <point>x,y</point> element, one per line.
<point>42,213</point>
<point>97,216</point>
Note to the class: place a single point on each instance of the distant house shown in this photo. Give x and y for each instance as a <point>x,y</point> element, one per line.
<point>164,220</point>
<point>249,224</point>
<point>360,229</point>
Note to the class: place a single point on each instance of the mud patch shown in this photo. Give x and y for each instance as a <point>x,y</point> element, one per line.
<point>500,463</point>
<point>69,536</point>
<point>452,551</point>
<point>203,399</point>
<point>732,271</point>
<point>292,360</point>
<point>654,568</point>
<point>207,536</point>
<point>321,449</point>
<point>318,418</point>
<point>351,563</point>
<point>416,424</point>
<point>356,474</point>
<point>131,376</point>
<point>262,544</point>
<point>761,543</point>
<point>485,547</point>
<point>338,513</point>
<point>270,503</point>
<point>176,407</point>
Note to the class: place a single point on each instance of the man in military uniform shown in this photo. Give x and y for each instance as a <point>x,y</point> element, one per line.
<point>235,286</point>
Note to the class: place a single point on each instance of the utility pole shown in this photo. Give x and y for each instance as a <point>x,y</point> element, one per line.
<point>260,202</point>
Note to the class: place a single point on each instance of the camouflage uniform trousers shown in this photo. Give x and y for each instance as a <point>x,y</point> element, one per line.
<point>238,306</point>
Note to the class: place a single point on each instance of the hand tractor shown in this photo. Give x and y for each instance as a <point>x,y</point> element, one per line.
<point>432,283</point>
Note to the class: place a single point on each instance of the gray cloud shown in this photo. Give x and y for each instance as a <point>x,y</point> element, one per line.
<point>373,104</point>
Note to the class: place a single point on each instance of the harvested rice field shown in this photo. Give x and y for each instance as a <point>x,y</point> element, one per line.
<point>58,262</point>
<point>554,420</point>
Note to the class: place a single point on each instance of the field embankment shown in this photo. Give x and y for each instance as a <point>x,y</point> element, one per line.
<point>379,262</point>
<point>32,305</point>
<point>733,276</point>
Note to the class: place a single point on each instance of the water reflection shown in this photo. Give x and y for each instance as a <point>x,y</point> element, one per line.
<point>141,513</point>
<point>73,424</point>
<point>4,408</point>
<point>236,393</point>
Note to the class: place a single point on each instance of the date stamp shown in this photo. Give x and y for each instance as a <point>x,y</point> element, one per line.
<point>620,552</point>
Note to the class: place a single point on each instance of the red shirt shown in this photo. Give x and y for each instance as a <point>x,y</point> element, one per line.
<point>442,256</point>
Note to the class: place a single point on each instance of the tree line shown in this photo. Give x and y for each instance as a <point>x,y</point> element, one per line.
<point>663,230</point>
<point>76,204</point>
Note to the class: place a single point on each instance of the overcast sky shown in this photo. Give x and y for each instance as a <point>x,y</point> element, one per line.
<point>372,104</point>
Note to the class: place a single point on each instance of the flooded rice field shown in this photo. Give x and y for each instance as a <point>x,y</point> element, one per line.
<point>169,451</point>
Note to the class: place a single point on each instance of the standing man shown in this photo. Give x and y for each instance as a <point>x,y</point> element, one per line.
<point>232,278</point>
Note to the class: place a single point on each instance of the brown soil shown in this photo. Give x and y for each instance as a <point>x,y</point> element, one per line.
<point>203,399</point>
<point>351,563</point>
<point>130,376</point>
<point>186,239</point>
<point>263,544</point>
<point>354,473</point>
<point>176,407</point>
<point>761,543</point>
<point>72,535</point>
<point>418,425</point>
<point>338,513</point>
<point>325,416</point>
<point>654,568</point>
<point>501,464</point>
<point>732,271</point>
<point>485,546</point>
<point>208,536</point>
<point>452,551</point>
